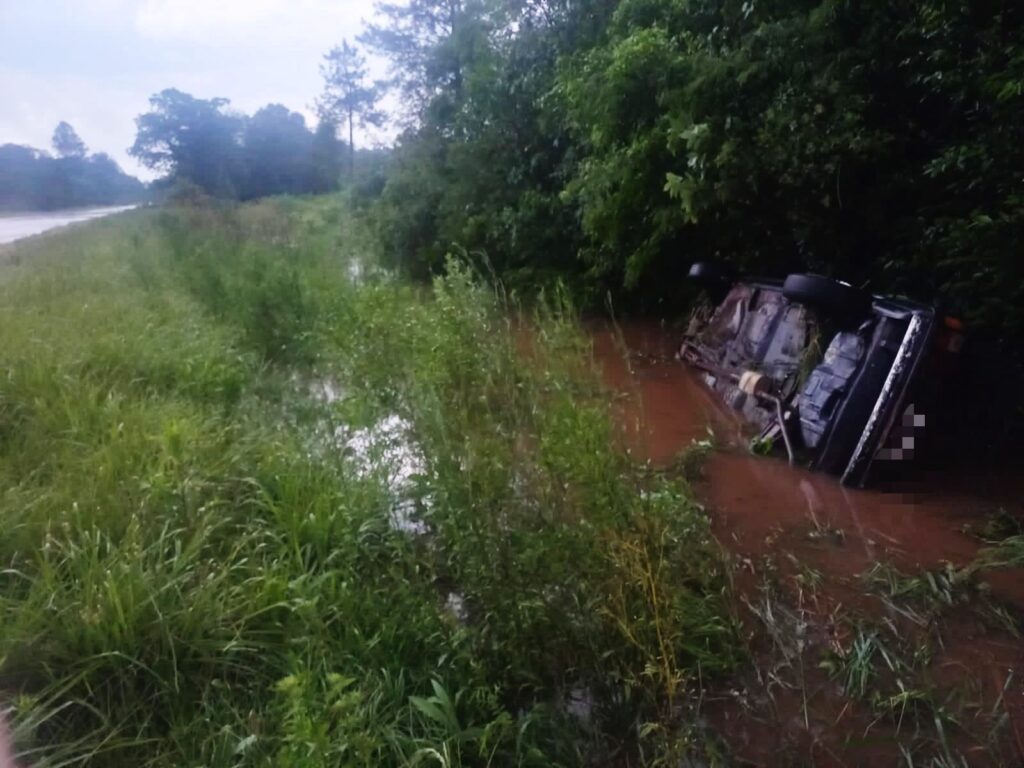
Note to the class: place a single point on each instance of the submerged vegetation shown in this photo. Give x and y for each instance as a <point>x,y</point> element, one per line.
<point>904,677</point>
<point>266,505</point>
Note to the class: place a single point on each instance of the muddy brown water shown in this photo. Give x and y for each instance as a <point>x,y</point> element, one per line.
<point>781,523</point>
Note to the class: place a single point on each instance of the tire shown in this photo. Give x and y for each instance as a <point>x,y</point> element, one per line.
<point>831,296</point>
<point>710,273</point>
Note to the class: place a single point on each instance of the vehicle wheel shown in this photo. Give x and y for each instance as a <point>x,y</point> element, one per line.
<point>832,296</point>
<point>710,273</point>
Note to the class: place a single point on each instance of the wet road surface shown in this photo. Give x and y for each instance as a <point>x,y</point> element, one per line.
<point>18,226</point>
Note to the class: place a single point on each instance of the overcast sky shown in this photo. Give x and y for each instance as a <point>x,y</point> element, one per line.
<point>95,63</point>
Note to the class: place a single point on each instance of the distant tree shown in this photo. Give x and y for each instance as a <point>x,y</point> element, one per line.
<point>278,153</point>
<point>230,155</point>
<point>21,177</point>
<point>66,142</point>
<point>326,156</point>
<point>33,180</point>
<point>348,97</point>
<point>107,182</point>
<point>190,138</point>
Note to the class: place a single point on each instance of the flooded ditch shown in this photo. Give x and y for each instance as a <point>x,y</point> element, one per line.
<point>874,641</point>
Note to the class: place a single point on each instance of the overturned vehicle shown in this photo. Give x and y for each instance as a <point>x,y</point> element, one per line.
<point>840,379</point>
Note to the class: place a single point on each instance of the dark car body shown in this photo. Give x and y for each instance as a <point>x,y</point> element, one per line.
<point>844,386</point>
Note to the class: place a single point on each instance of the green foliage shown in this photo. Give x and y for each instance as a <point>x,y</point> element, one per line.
<point>203,566</point>
<point>485,168</point>
<point>277,153</point>
<point>190,138</point>
<point>619,142</point>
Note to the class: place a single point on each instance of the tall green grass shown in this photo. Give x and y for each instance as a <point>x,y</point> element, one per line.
<point>198,568</point>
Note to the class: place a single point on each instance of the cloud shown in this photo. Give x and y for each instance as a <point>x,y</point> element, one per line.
<point>95,63</point>
<point>279,22</point>
<point>101,112</point>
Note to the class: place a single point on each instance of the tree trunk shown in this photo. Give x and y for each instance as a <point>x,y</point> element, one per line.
<point>351,149</point>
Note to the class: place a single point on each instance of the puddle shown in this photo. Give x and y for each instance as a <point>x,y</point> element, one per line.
<point>455,605</point>
<point>389,446</point>
<point>356,270</point>
<point>763,510</point>
<point>579,703</point>
<point>325,390</point>
<point>361,270</point>
<point>387,450</point>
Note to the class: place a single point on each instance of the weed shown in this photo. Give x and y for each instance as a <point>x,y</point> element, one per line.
<point>761,446</point>
<point>807,577</point>
<point>1001,525</point>
<point>888,672</point>
<point>924,597</point>
<point>194,571</point>
<point>689,462</point>
<point>1008,553</point>
<point>825,532</point>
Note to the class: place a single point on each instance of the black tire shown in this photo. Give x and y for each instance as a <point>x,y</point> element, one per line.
<point>710,273</point>
<point>831,296</point>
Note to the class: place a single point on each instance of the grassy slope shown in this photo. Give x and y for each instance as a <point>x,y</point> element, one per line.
<point>193,571</point>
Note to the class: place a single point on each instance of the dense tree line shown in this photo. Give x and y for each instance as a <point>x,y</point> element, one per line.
<point>34,180</point>
<point>613,143</point>
<point>232,155</point>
